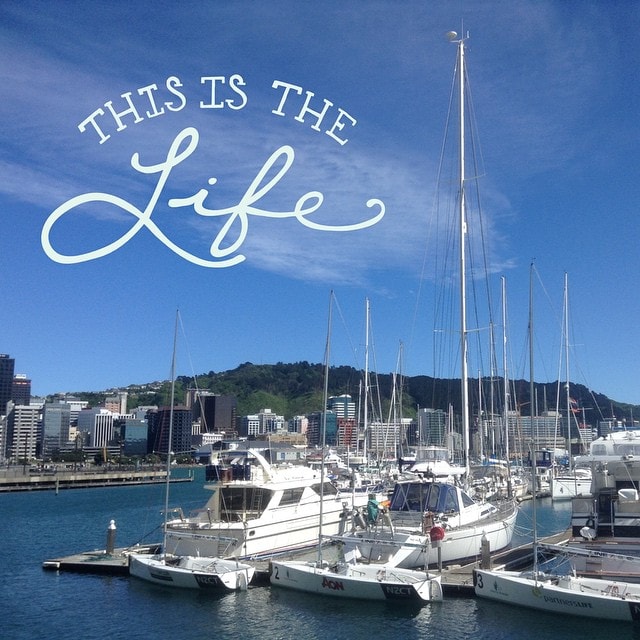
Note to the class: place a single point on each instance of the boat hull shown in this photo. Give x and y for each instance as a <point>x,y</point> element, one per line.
<point>567,595</point>
<point>276,532</point>
<point>361,582</point>
<point>187,572</point>
<point>459,544</point>
<point>565,488</point>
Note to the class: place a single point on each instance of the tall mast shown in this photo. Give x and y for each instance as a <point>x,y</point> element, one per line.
<point>506,382</point>
<point>366,381</point>
<point>566,350</point>
<point>170,436</point>
<point>323,441</point>
<point>464,374</point>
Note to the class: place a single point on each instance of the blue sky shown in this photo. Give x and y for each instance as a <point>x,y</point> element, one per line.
<point>555,97</point>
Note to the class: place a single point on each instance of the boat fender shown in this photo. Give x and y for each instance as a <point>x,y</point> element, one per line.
<point>359,520</point>
<point>436,533</point>
<point>590,523</point>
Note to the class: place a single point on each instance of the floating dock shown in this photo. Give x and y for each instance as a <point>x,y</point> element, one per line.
<point>102,562</point>
<point>456,579</point>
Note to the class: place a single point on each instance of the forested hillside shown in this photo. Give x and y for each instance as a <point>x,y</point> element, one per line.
<point>294,389</point>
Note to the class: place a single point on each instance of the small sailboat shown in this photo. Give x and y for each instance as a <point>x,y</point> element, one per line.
<point>564,593</point>
<point>574,480</point>
<point>351,579</point>
<point>348,578</point>
<point>568,594</point>
<point>186,571</point>
<point>192,572</point>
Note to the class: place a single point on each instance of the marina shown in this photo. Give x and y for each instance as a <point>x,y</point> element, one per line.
<point>77,520</point>
<point>415,509</point>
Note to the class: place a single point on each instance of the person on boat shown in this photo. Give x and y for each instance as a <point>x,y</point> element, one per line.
<point>373,509</point>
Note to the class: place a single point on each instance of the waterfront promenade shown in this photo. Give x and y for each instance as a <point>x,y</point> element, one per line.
<point>25,478</point>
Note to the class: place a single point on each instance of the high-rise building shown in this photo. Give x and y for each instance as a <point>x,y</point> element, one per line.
<point>432,428</point>
<point>23,431</point>
<point>117,403</point>
<point>181,431</point>
<point>56,419</point>
<point>343,406</point>
<point>319,420</point>
<point>215,413</point>
<point>98,423</point>
<point>7,365</point>
<point>21,389</point>
<point>132,435</point>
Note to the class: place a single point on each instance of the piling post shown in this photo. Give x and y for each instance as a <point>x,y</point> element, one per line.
<point>111,538</point>
<point>485,553</point>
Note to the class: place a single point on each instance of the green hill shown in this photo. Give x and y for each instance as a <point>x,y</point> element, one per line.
<point>297,388</point>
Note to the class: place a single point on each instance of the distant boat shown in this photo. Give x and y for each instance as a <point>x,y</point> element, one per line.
<point>186,571</point>
<point>435,462</point>
<point>564,485</point>
<point>574,480</point>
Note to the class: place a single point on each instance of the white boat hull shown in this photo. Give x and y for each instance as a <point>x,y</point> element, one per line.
<point>355,581</point>
<point>260,537</point>
<point>567,487</point>
<point>460,544</point>
<point>188,572</point>
<point>567,595</point>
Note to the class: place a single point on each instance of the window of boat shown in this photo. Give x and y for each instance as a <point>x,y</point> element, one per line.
<point>467,500</point>
<point>450,501</point>
<point>410,496</point>
<point>431,503</point>
<point>244,499</point>
<point>291,496</point>
<point>327,489</point>
<point>598,449</point>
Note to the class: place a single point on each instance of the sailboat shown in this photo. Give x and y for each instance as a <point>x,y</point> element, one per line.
<point>187,571</point>
<point>575,480</point>
<point>428,511</point>
<point>566,593</point>
<point>348,578</point>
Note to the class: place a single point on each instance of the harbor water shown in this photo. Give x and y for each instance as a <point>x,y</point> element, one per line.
<point>34,603</point>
